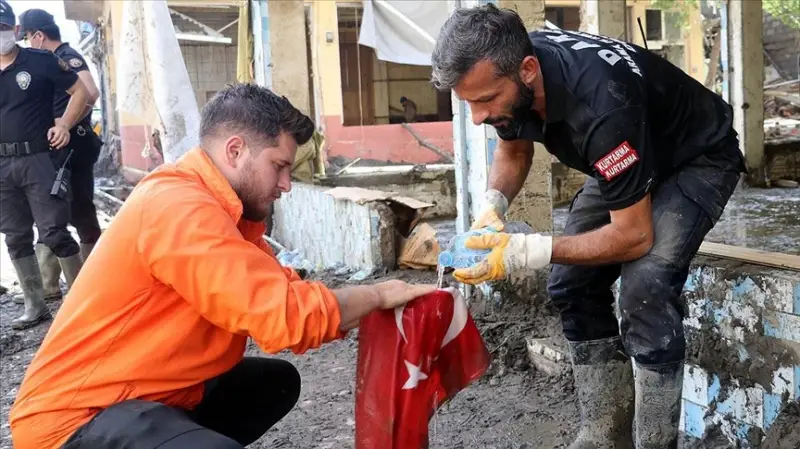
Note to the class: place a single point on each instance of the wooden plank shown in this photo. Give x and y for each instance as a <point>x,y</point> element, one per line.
<point>749,255</point>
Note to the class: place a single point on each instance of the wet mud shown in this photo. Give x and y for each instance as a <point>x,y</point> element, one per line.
<point>765,219</point>
<point>785,431</point>
<point>512,407</point>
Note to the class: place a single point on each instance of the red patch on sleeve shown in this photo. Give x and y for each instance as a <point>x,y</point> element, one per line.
<point>617,162</point>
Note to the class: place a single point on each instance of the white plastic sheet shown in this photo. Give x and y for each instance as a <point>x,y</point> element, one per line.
<point>402,31</point>
<point>153,83</point>
<point>405,31</point>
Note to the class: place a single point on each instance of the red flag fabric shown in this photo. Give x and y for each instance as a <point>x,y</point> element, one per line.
<point>411,360</point>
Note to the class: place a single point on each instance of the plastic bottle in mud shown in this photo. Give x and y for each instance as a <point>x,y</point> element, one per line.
<point>458,255</point>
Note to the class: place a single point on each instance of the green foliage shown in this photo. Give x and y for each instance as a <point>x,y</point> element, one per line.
<point>787,11</point>
<point>683,9</point>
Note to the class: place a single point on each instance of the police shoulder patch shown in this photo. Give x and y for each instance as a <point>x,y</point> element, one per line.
<point>63,65</point>
<point>75,63</point>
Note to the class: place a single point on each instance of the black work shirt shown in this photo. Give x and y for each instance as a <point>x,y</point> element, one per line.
<point>77,64</point>
<point>620,113</point>
<point>27,89</point>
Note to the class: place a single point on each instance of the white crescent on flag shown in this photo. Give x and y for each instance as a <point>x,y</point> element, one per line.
<point>398,318</point>
<point>460,314</point>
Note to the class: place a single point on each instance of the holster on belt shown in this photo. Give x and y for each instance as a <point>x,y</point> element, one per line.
<point>86,144</point>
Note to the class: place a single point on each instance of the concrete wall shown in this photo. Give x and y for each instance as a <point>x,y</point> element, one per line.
<point>436,186</point>
<point>784,165</point>
<point>566,183</point>
<point>742,324</point>
<point>333,233</point>
<point>782,45</point>
<point>743,364</point>
<point>210,68</point>
<point>289,52</point>
<point>391,143</point>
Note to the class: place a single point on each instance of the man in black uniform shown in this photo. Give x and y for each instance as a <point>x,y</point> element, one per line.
<point>39,29</point>
<point>663,160</point>
<point>28,81</point>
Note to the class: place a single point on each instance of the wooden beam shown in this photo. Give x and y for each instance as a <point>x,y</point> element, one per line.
<point>753,256</point>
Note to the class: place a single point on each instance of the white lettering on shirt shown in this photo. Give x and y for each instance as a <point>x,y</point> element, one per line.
<point>616,162</point>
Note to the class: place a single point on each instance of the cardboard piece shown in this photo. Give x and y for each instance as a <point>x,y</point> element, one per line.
<point>407,211</point>
<point>420,251</point>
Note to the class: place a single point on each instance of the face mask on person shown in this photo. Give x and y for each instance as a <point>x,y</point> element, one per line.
<point>8,40</point>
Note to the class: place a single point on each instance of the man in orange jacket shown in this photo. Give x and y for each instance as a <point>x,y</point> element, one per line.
<point>147,349</point>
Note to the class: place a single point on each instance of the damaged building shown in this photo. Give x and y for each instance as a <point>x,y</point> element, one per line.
<point>396,164</point>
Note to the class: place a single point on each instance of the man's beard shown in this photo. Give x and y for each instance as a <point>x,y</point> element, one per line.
<point>520,110</point>
<point>252,207</point>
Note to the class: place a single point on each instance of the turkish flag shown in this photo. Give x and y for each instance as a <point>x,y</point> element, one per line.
<point>411,360</point>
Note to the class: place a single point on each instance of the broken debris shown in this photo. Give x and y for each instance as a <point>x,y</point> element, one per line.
<point>420,251</point>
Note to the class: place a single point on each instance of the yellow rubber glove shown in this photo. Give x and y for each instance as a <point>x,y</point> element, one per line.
<point>509,253</point>
<point>494,208</point>
<point>492,267</point>
<point>488,218</point>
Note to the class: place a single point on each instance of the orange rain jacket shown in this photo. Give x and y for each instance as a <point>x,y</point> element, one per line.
<point>165,302</point>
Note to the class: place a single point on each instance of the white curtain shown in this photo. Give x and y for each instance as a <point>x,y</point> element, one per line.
<point>402,31</point>
<point>153,83</point>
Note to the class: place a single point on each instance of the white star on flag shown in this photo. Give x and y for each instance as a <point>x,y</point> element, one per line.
<point>415,375</point>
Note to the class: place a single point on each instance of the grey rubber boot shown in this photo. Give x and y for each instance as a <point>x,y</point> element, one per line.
<point>71,266</point>
<point>30,279</point>
<point>604,382</point>
<point>51,274</point>
<point>658,405</point>
<point>86,249</point>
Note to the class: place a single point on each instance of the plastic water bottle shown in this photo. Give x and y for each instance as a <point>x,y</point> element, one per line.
<point>458,255</point>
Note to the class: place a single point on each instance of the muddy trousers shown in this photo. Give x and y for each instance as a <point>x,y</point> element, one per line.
<point>685,206</point>
<point>237,408</point>
<point>25,183</point>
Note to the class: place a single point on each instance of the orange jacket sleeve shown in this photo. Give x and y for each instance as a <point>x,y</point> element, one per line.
<point>200,253</point>
<point>254,232</point>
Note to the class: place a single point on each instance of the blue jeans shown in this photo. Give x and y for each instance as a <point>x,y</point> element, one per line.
<point>686,205</point>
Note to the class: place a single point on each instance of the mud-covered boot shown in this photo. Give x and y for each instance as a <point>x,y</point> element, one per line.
<point>51,274</point>
<point>86,249</point>
<point>658,405</point>
<point>30,279</point>
<point>71,266</point>
<point>604,382</point>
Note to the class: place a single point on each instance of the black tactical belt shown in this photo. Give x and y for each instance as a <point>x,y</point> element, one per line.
<point>21,149</point>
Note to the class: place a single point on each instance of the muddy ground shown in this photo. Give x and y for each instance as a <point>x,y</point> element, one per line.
<point>511,408</point>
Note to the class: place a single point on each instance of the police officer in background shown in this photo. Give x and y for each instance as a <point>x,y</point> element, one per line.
<point>38,28</point>
<point>31,150</point>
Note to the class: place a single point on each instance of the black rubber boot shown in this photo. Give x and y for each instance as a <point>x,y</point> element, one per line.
<point>658,405</point>
<point>604,382</point>
<point>30,279</point>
